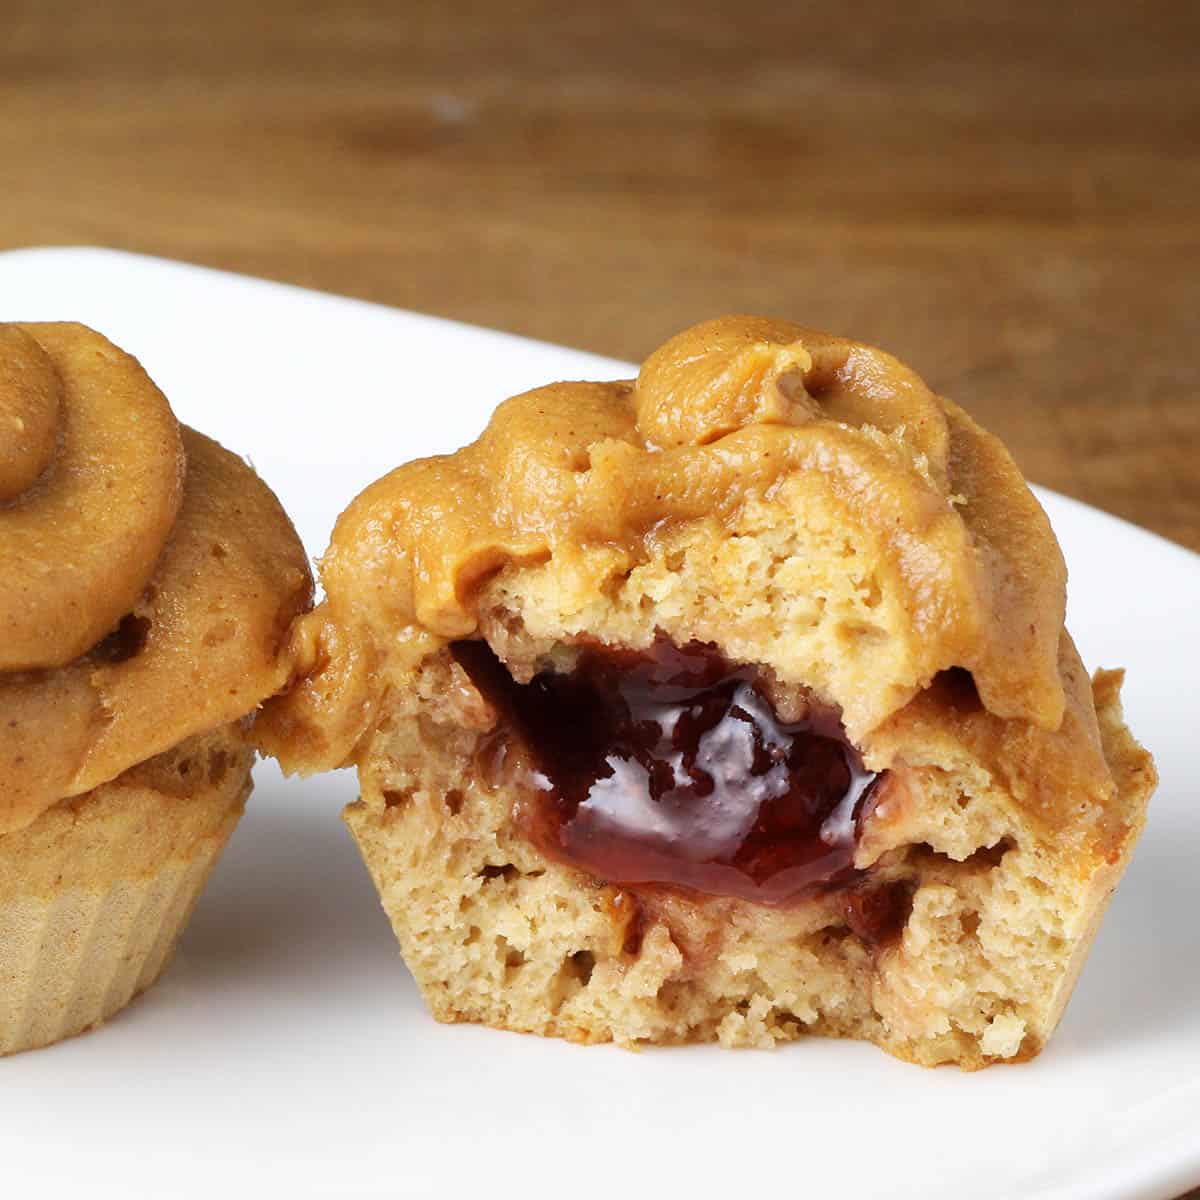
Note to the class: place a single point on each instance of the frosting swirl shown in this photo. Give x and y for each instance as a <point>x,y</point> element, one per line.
<point>29,412</point>
<point>147,576</point>
<point>91,479</point>
<point>584,479</point>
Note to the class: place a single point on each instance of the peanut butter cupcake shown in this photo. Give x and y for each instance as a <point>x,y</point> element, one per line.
<point>147,581</point>
<point>731,703</point>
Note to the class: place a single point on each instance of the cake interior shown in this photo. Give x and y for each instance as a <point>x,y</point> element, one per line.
<point>657,844</point>
<point>671,767</point>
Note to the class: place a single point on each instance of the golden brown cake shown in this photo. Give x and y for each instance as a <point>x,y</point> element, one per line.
<point>732,703</point>
<point>147,582</point>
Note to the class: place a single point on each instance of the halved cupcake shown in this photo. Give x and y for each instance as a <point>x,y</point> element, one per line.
<point>734,702</point>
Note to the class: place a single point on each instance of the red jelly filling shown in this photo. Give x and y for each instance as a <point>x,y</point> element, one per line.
<point>670,766</point>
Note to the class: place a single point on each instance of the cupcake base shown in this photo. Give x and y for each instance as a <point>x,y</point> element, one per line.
<point>96,892</point>
<point>496,932</point>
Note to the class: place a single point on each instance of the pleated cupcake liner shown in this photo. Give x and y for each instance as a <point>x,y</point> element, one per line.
<point>70,961</point>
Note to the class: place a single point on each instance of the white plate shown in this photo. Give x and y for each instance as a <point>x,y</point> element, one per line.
<point>286,1051</point>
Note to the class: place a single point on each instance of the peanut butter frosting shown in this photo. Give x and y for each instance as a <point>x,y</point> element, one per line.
<point>580,474</point>
<point>149,576</point>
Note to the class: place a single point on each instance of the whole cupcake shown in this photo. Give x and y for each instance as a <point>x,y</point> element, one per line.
<point>147,581</point>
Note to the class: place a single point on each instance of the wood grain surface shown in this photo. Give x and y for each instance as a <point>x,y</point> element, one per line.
<point>1005,194</point>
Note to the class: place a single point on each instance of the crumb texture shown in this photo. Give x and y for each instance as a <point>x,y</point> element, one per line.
<point>494,932</point>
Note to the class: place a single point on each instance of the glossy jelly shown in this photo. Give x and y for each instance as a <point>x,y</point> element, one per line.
<point>670,766</point>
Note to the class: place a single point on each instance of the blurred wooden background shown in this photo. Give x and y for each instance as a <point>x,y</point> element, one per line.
<point>1006,194</point>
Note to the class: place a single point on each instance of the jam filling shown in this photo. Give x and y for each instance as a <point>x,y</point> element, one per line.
<point>670,766</point>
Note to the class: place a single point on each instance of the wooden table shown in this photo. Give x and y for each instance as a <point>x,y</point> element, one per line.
<point>1007,198</point>
<point>1004,194</point>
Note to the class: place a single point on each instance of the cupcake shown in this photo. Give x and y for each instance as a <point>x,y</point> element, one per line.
<point>150,578</point>
<point>732,703</point>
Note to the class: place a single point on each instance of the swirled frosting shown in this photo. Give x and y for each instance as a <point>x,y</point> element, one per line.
<point>147,576</point>
<point>726,412</point>
<point>91,478</point>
